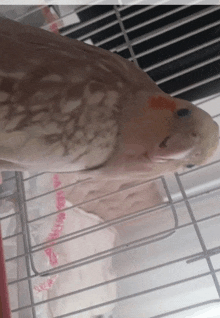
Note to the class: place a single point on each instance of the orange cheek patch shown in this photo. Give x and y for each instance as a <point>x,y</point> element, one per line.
<point>161,102</point>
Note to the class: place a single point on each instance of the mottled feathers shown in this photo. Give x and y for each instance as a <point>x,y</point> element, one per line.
<point>67,106</point>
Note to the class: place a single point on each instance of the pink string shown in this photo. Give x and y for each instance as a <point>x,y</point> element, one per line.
<point>54,234</point>
<point>46,285</point>
<point>60,198</point>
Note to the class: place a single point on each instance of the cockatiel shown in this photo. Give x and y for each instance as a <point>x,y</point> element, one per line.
<point>68,106</point>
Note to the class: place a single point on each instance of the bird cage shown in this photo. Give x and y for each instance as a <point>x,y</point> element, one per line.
<point>77,247</point>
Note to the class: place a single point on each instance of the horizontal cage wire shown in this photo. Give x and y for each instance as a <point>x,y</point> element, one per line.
<point>76,248</point>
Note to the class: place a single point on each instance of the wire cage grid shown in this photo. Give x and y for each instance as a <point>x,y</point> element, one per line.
<point>17,181</point>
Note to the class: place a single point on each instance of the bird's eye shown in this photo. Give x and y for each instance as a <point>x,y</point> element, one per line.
<point>189,166</point>
<point>163,144</point>
<point>184,112</point>
<point>194,134</point>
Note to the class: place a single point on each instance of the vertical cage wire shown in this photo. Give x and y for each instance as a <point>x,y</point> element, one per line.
<point>27,250</point>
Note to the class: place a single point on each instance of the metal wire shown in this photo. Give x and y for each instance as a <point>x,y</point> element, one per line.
<point>189,69</point>
<point>143,242</point>
<point>38,9</point>
<point>124,32</point>
<point>198,84</point>
<point>125,36</point>
<point>183,37</point>
<point>185,197</point>
<point>20,203</point>
<point>149,21</point>
<point>199,235</point>
<point>163,30</point>
<point>185,53</point>
<point>88,23</point>
<point>141,294</point>
<point>132,245</point>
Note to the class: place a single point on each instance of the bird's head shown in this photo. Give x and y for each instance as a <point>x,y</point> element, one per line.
<point>192,135</point>
<point>165,134</point>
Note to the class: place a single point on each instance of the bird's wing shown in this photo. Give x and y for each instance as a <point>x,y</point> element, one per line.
<point>51,86</point>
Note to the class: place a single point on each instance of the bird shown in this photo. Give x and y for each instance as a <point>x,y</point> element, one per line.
<point>67,106</point>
